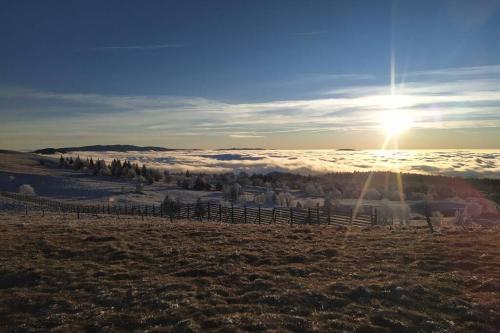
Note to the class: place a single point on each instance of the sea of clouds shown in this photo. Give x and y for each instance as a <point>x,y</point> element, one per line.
<point>464,163</point>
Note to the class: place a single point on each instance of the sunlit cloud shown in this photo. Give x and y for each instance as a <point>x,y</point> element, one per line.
<point>245,136</point>
<point>439,162</point>
<point>449,98</point>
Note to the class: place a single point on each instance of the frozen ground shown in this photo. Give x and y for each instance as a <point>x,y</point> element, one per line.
<point>107,274</point>
<point>64,184</point>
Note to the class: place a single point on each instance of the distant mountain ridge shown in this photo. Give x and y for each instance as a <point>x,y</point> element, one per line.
<point>116,148</point>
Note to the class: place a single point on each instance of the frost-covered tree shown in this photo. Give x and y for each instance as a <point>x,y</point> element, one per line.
<point>335,193</point>
<point>328,201</point>
<point>487,206</point>
<point>26,189</point>
<point>395,195</point>
<point>104,171</point>
<point>232,192</point>
<point>270,198</point>
<point>200,184</point>
<point>285,199</point>
<point>418,196</point>
<point>167,178</point>
<point>313,189</point>
<point>373,194</point>
<point>473,210</point>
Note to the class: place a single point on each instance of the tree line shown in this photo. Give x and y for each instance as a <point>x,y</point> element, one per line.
<point>116,168</point>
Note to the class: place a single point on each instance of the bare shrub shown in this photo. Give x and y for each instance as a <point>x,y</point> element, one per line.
<point>139,188</point>
<point>473,209</point>
<point>488,207</point>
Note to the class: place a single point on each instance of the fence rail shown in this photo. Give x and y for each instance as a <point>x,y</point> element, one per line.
<point>208,211</point>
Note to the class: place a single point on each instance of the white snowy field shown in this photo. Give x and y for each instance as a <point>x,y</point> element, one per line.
<point>464,163</point>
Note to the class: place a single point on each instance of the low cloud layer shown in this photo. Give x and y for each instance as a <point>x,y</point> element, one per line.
<point>465,163</point>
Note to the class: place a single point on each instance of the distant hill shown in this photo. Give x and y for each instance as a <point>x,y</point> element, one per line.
<point>117,148</point>
<point>235,148</point>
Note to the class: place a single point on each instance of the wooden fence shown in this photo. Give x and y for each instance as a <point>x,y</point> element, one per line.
<point>208,211</point>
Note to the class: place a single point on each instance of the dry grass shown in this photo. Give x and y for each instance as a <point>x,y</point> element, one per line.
<point>93,275</point>
<point>17,162</point>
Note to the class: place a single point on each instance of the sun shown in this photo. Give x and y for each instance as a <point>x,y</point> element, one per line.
<point>396,122</point>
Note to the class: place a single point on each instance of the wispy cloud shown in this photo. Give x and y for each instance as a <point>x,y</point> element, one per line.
<point>245,136</point>
<point>312,79</point>
<point>142,47</point>
<point>311,33</point>
<point>461,72</point>
<point>469,98</point>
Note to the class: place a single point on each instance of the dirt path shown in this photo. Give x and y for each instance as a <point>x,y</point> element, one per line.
<point>106,274</point>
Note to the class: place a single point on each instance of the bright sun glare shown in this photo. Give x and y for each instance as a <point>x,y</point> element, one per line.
<point>395,120</point>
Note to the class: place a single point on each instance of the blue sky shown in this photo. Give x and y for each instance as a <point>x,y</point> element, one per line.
<point>283,74</point>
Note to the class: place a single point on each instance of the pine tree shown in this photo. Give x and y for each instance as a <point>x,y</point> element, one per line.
<point>199,184</point>
<point>77,164</point>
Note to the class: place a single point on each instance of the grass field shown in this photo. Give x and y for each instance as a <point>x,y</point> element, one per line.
<point>106,274</point>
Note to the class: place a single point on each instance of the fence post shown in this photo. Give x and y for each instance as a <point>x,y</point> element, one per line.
<point>153,206</point>
<point>352,215</point>
<point>317,215</point>
<point>187,207</point>
<point>259,214</point>
<point>309,218</point>
<point>274,216</point>
<point>375,219</point>
<point>291,215</point>
<point>208,211</point>
<point>245,214</point>
<point>220,212</point>
<point>78,212</point>
<point>232,213</point>
<point>428,214</point>
<point>329,217</point>
<point>25,210</point>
